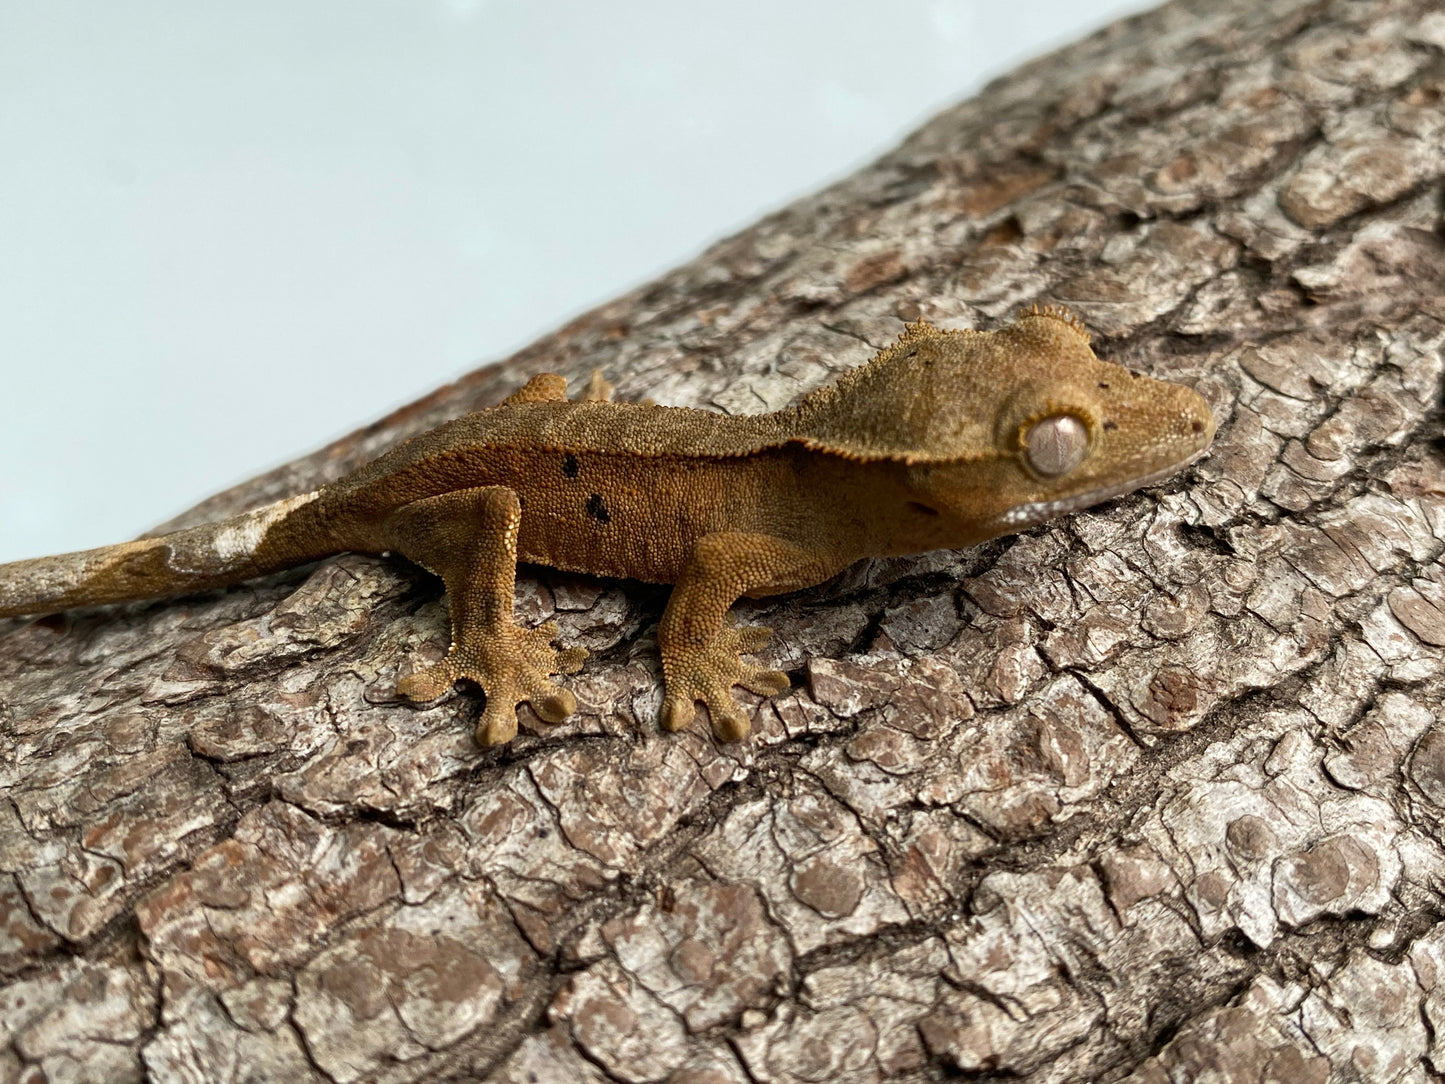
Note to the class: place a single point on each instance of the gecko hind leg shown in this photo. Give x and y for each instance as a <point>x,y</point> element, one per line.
<point>469,538</point>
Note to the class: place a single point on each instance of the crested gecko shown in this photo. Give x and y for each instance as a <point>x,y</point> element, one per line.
<point>944,439</point>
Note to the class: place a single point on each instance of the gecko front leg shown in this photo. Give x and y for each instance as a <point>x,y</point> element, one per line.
<point>469,539</point>
<point>700,654</point>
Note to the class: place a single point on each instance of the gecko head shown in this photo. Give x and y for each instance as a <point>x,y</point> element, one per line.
<point>1068,429</point>
<point>1000,430</point>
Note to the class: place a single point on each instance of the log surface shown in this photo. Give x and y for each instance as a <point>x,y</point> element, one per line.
<point>1150,793</point>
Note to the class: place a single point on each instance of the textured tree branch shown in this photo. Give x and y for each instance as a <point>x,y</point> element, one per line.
<point>1151,792</point>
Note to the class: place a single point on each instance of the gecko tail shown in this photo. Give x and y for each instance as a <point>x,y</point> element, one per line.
<point>266,539</point>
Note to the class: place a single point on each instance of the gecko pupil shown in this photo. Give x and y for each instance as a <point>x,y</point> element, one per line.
<point>569,466</point>
<point>597,509</point>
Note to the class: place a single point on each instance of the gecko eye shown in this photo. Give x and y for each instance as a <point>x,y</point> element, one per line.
<point>1056,445</point>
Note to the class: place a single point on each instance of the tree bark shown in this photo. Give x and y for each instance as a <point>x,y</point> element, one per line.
<point>1150,793</point>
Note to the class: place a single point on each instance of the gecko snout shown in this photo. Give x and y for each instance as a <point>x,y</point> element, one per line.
<point>1198,420</point>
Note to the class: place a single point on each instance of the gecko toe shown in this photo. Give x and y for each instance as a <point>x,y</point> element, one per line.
<point>765,682</point>
<point>750,638</point>
<point>729,722</point>
<point>678,713</point>
<point>570,660</point>
<point>554,706</point>
<point>498,724</point>
<point>424,686</point>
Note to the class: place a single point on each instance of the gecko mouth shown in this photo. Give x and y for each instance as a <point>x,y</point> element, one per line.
<point>1026,515</point>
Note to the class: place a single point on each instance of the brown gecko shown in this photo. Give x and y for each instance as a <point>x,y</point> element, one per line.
<point>943,440</point>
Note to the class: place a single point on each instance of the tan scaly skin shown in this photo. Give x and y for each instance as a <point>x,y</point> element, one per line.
<point>943,440</point>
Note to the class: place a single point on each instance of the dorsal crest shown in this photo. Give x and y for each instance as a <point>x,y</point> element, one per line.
<point>935,394</point>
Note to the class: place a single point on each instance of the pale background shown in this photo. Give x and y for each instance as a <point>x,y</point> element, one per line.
<point>230,232</point>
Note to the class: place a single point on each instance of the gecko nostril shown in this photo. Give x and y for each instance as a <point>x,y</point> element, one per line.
<point>1197,426</point>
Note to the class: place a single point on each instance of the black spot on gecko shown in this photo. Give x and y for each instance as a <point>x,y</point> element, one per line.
<point>597,510</point>
<point>1111,425</point>
<point>570,466</point>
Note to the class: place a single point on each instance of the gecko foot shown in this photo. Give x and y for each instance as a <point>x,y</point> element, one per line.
<point>708,673</point>
<point>511,665</point>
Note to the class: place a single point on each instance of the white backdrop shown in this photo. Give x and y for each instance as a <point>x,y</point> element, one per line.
<point>232,231</point>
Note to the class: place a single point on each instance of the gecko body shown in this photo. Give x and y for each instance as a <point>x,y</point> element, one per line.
<point>943,440</point>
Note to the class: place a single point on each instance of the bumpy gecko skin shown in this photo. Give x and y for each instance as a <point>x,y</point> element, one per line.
<point>943,440</point>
